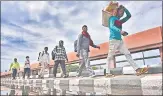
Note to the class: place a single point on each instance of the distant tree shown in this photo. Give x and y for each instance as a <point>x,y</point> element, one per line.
<point>72,68</point>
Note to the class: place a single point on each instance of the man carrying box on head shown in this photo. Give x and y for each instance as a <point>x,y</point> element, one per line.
<point>116,42</point>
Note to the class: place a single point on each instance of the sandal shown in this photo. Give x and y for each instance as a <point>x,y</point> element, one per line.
<point>142,71</point>
<point>109,75</point>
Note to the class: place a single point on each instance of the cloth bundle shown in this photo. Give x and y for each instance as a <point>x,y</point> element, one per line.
<point>108,11</point>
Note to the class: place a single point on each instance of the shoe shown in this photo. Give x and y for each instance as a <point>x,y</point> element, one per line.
<point>64,76</point>
<point>67,75</point>
<point>141,71</point>
<point>92,76</point>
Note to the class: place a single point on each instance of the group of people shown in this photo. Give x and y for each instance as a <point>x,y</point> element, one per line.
<point>58,55</point>
<point>82,49</point>
<point>15,66</point>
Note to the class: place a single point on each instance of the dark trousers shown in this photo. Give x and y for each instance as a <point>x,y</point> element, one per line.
<point>14,72</point>
<point>26,70</point>
<point>63,66</point>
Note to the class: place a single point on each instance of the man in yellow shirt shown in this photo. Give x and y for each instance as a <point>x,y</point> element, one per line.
<point>14,66</point>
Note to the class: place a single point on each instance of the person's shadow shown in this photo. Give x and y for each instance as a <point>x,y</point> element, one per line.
<point>12,92</point>
<point>25,90</point>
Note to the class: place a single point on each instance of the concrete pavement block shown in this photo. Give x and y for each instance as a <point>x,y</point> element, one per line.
<point>36,76</point>
<point>154,70</point>
<point>50,81</point>
<point>33,76</point>
<point>152,92</point>
<point>102,82</point>
<point>125,81</point>
<point>128,70</point>
<point>58,75</point>
<point>16,81</point>
<point>102,90</point>
<point>74,88</point>
<point>85,73</point>
<point>38,81</point>
<point>126,85</point>
<point>61,87</point>
<point>116,71</point>
<point>51,86</point>
<point>86,89</point>
<point>152,85</point>
<point>44,81</point>
<point>86,82</point>
<point>24,81</point>
<point>61,82</point>
<point>74,82</point>
<point>72,74</point>
<point>30,81</point>
<point>126,91</point>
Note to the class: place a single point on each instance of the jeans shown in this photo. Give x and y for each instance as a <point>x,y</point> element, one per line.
<point>14,72</point>
<point>63,66</point>
<point>119,45</point>
<point>85,62</point>
<point>26,70</point>
<point>43,69</point>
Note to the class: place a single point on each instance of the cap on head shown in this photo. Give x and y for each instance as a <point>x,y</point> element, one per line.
<point>27,56</point>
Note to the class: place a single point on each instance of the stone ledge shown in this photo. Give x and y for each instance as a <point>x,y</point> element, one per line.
<point>152,82</point>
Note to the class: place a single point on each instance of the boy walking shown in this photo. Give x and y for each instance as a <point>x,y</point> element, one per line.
<point>14,66</point>
<point>44,61</point>
<point>27,67</point>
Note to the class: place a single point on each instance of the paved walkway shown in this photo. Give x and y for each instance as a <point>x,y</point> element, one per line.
<point>148,84</point>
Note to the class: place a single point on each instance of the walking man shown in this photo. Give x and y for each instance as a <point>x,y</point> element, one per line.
<point>27,67</point>
<point>44,61</point>
<point>83,43</point>
<point>116,42</point>
<point>14,66</point>
<point>59,56</point>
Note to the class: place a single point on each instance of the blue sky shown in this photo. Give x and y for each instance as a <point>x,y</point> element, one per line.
<point>28,26</point>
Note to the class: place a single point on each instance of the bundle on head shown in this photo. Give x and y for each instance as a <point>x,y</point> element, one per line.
<point>112,7</point>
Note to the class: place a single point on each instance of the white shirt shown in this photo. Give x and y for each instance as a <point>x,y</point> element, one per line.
<point>27,64</point>
<point>44,58</point>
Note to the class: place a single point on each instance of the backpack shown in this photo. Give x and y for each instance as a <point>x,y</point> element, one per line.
<point>54,52</point>
<point>53,55</point>
<point>75,45</point>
